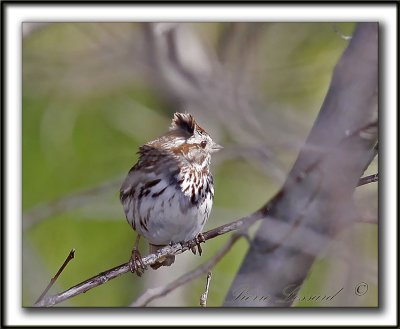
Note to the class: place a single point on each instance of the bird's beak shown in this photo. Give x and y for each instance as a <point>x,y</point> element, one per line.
<point>216,147</point>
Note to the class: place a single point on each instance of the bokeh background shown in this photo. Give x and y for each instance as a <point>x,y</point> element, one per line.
<point>94,92</point>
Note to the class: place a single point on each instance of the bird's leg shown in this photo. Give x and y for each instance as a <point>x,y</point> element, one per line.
<point>136,264</point>
<point>196,243</point>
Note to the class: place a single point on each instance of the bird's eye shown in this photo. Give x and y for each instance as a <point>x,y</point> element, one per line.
<point>203,144</point>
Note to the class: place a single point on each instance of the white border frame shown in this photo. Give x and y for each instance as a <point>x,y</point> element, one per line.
<point>15,14</point>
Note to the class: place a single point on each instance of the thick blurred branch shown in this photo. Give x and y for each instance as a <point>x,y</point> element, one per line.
<point>318,193</point>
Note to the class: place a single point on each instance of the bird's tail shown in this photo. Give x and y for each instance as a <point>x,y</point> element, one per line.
<point>164,261</point>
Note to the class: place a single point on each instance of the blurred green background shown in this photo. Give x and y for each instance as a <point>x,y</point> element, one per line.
<point>88,104</point>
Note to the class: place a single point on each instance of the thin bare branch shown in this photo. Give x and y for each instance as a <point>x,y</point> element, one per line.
<point>368,179</point>
<point>70,256</point>
<point>175,249</point>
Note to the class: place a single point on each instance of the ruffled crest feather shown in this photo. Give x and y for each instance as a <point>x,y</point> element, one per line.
<point>183,121</point>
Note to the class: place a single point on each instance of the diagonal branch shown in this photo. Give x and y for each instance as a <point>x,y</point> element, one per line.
<point>175,249</point>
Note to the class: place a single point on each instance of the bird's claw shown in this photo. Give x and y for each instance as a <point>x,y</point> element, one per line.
<point>195,243</point>
<point>136,264</point>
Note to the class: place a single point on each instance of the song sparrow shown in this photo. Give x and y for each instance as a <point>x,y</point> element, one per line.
<point>168,194</point>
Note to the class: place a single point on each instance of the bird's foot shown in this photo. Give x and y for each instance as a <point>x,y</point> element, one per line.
<point>195,243</point>
<point>136,264</point>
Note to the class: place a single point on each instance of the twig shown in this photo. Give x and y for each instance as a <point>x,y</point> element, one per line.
<point>368,179</point>
<point>204,296</point>
<point>154,293</point>
<point>54,279</point>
